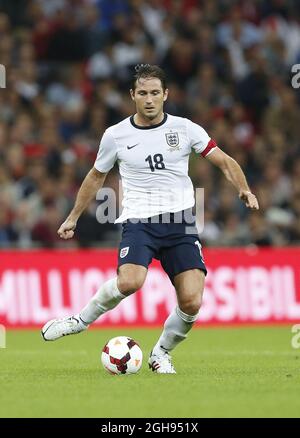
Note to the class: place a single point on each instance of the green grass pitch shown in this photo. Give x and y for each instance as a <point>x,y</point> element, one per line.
<point>224,372</point>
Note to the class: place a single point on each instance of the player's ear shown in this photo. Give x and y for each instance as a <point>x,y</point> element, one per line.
<point>132,93</point>
<point>166,93</point>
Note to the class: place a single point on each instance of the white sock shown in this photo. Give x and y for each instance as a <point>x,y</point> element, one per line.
<point>106,298</point>
<point>176,328</point>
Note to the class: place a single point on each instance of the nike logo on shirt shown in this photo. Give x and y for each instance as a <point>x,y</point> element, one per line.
<point>133,146</point>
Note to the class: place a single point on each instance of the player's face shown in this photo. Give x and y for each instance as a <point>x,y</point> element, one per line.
<point>149,97</point>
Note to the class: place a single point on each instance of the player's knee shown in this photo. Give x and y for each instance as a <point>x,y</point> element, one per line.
<point>128,286</point>
<point>191,305</point>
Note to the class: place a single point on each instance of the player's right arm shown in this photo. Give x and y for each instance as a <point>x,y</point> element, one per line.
<point>89,187</point>
<point>93,182</point>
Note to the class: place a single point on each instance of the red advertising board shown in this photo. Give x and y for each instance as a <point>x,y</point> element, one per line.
<point>243,286</point>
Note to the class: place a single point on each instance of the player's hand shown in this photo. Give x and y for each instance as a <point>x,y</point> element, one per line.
<point>66,230</point>
<point>249,199</point>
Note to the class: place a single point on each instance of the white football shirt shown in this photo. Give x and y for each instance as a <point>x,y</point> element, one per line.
<point>153,164</point>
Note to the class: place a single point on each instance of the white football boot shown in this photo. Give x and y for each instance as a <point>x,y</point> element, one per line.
<point>56,328</point>
<point>161,363</point>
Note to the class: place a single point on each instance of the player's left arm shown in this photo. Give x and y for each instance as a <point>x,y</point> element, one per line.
<point>234,174</point>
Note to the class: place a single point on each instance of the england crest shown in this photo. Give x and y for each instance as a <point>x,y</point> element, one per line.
<point>172,139</point>
<point>124,252</point>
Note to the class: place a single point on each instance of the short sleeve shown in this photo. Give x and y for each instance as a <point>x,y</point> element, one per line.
<point>200,141</point>
<point>107,153</point>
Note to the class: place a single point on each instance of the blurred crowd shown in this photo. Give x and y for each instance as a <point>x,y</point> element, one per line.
<point>68,69</point>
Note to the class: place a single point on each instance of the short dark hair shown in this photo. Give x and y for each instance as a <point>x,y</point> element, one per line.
<point>149,71</point>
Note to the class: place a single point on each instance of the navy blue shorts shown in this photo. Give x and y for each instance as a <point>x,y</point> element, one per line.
<point>176,245</point>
